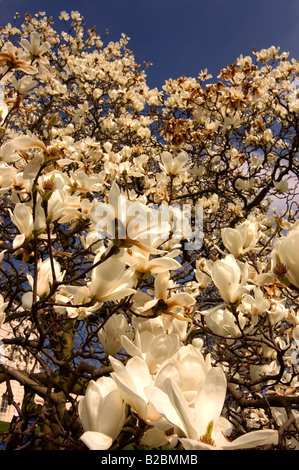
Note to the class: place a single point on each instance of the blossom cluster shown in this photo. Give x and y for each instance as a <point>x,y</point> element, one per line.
<point>172,343</point>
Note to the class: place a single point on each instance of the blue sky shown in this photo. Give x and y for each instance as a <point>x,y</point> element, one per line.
<point>181,37</point>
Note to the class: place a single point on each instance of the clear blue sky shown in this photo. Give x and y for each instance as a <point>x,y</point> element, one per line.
<point>181,37</point>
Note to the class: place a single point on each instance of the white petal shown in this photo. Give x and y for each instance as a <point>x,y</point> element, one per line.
<point>253,439</point>
<point>96,440</point>
<point>210,400</point>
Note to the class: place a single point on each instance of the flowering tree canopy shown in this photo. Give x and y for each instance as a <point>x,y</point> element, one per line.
<point>149,246</point>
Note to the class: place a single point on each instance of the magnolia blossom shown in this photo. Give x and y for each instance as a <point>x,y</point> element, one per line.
<point>203,272</point>
<point>24,142</point>
<point>173,304</point>
<point>129,223</point>
<point>230,277</point>
<point>146,265</point>
<point>55,205</point>
<point>241,239</point>
<point>7,176</point>
<point>3,306</point>
<point>162,324</point>
<point>24,84</point>
<point>255,304</point>
<point>102,412</point>
<point>110,280</point>
<point>188,368</point>
<point>287,249</point>
<point>174,164</point>
<point>111,334</point>
<point>152,346</point>
<point>45,278</point>
<point>132,379</point>
<point>79,296</point>
<point>3,111</point>
<point>23,219</point>
<point>260,370</point>
<point>34,49</point>
<point>9,58</point>
<point>222,322</point>
<point>201,424</point>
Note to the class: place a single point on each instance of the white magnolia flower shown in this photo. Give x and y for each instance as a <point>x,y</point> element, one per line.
<point>110,280</point>
<point>79,296</point>
<point>230,277</point>
<point>201,425</point>
<point>260,370</point>
<point>102,412</point>
<point>132,379</point>
<point>173,165</point>
<point>222,322</point>
<point>22,218</point>
<point>173,304</point>
<point>45,279</point>
<point>9,151</point>
<point>3,306</point>
<point>151,346</point>
<point>188,368</point>
<point>7,177</point>
<point>129,223</point>
<point>287,249</point>
<point>203,272</point>
<point>281,186</point>
<point>241,239</point>
<point>145,265</point>
<point>24,84</point>
<point>34,49</point>
<point>255,303</point>
<point>10,59</point>
<point>111,334</point>
<point>162,324</point>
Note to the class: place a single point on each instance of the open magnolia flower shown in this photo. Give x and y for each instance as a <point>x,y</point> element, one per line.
<point>79,297</point>
<point>175,304</point>
<point>110,280</point>
<point>20,143</point>
<point>188,368</point>
<point>201,424</point>
<point>241,239</point>
<point>255,303</point>
<point>146,265</point>
<point>129,223</point>
<point>102,412</point>
<point>174,165</point>
<point>34,49</point>
<point>151,346</point>
<point>10,59</point>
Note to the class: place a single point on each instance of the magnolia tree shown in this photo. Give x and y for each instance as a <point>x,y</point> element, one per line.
<point>149,247</point>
